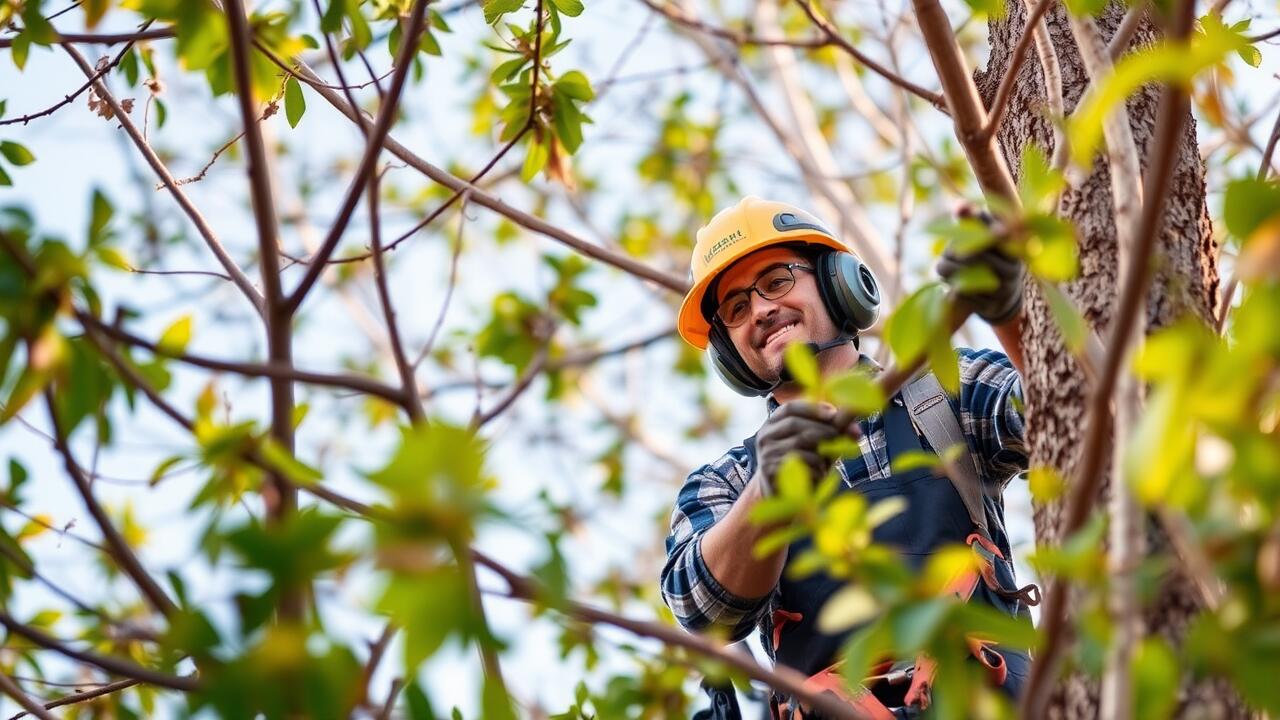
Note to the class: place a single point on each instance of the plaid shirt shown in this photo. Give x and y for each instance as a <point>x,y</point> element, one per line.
<point>990,411</point>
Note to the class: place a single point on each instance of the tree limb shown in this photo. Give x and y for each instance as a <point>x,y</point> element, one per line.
<point>10,688</point>
<point>86,695</point>
<point>202,226</point>
<point>408,385</point>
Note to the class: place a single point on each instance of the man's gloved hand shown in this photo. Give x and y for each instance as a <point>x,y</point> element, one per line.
<point>798,427</point>
<point>1004,302</point>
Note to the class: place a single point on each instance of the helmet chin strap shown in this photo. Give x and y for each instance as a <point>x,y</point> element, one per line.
<point>844,338</point>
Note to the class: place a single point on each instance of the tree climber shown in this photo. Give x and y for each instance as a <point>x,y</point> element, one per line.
<point>767,274</point>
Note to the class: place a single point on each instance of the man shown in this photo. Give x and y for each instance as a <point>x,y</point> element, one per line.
<point>767,274</point>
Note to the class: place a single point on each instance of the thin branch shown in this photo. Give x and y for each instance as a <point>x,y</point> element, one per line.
<point>29,567</point>
<point>396,686</point>
<point>377,138</point>
<point>408,385</point>
<point>377,649</point>
<point>833,33</point>
<point>1169,124</point>
<point>519,217</point>
<point>1124,34</point>
<point>356,383</point>
<point>10,688</point>
<point>87,695</point>
<point>104,39</point>
<point>1264,36</point>
<point>109,663</point>
<point>1264,167</point>
<point>780,677</point>
<point>120,549</point>
<point>1125,530</point>
<point>535,368</point>
<point>736,37</point>
<point>452,283</point>
<point>267,112</point>
<point>202,226</point>
<point>1001,103</point>
<point>68,99</point>
<point>337,66</point>
<point>485,641</point>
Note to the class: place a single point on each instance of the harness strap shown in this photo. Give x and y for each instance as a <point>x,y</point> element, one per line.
<point>932,413</point>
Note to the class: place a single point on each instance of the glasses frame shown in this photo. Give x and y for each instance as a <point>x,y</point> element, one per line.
<point>755,287</point>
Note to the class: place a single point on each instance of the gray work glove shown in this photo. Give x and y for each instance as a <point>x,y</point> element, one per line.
<point>1004,302</point>
<point>798,427</point>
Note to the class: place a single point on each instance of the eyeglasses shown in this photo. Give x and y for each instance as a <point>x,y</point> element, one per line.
<point>770,285</point>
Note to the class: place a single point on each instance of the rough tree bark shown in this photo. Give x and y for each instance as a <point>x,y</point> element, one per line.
<point>1186,282</point>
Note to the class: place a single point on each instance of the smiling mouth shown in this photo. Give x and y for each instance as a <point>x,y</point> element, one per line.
<point>774,334</point>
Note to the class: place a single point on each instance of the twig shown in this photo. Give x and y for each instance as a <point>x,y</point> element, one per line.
<point>780,677</point>
<point>109,663</point>
<point>291,373</point>
<point>1169,124</point>
<point>1264,168</point>
<point>202,226</point>
<point>68,99</point>
<point>521,218</point>
<point>737,38</point>
<point>929,96</point>
<point>337,66</point>
<point>266,113</point>
<point>408,385</point>
<point>452,283</point>
<point>1124,34</point>
<point>1264,36</point>
<point>396,686</point>
<point>535,367</point>
<point>377,649</point>
<point>120,549</point>
<point>86,695</point>
<point>1000,105</point>
<point>1125,528</point>
<point>104,39</point>
<point>373,147</point>
<point>11,689</point>
<point>489,660</point>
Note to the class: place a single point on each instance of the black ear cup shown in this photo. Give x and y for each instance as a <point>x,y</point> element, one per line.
<point>849,291</point>
<point>730,366</point>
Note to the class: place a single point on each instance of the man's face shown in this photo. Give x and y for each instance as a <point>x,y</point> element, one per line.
<point>798,316</point>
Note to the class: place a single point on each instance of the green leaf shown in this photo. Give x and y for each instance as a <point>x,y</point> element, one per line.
<point>175,338</point>
<point>1039,183</point>
<point>505,70</point>
<point>802,365</point>
<point>1247,204</point>
<point>794,481</point>
<point>575,85</point>
<point>294,103</point>
<point>16,154</point>
<point>1156,676</point>
<point>974,280</point>
<point>572,8</point>
<point>1069,320</point>
<point>914,460</point>
<point>534,161</point>
<point>431,606</point>
<point>987,8</point>
<point>99,216</point>
<point>1045,484</point>
<point>1051,248</point>
<point>856,391</point>
<point>296,471</point>
<point>162,113</point>
<point>114,258</point>
<point>943,363</point>
<point>965,236</point>
<point>910,328</point>
<point>5,180</point>
<point>847,607</point>
<point>495,9</point>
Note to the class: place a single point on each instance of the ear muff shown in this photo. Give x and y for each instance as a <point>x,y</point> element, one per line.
<point>849,291</point>
<point>730,366</point>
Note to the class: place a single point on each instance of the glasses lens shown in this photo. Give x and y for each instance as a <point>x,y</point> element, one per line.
<point>735,308</point>
<point>775,283</point>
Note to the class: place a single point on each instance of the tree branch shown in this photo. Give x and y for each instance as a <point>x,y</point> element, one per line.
<point>377,137</point>
<point>519,217</point>
<point>736,37</point>
<point>780,677</point>
<point>202,226</point>
<point>68,99</point>
<point>85,696</point>
<point>10,688</point>
<point>120,549</point>
<point>1169,124</point>
<point>408,385</point>
<point>105,39</point>
<point>832,33</point>
<point>109,663</point>
<point>356,383</point>
<point>1001,103</point>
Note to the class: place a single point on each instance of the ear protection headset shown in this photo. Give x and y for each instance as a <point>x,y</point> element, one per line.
<point>849,293</point>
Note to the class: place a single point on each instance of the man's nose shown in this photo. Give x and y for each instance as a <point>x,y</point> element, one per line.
<point>762,308</point>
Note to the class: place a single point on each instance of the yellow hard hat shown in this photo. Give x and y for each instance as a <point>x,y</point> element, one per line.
<point>734,233</point>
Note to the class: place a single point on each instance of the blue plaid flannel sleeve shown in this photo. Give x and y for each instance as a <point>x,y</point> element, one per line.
<point>991,408</point>
<point>696,599</point>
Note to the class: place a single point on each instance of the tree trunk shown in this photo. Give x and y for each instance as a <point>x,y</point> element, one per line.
<point>1186,282</point>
